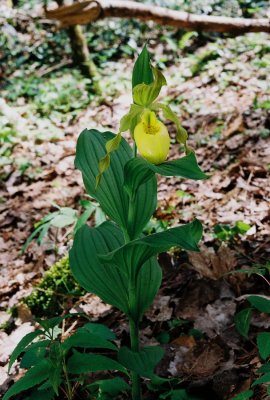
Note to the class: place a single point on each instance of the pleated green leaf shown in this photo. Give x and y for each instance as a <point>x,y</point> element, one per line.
<point>138,170</point>
<point>134,254</point>
<point>80,363</point>
<point>147,284</point>
<point>110,194</point>
<point>110,282</point>
<point>34,376</point>
<point>136,173</point>
<point>142,362</point>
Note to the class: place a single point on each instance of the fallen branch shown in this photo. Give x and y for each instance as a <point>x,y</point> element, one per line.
<point>89,11</point>
<point>54,68</point>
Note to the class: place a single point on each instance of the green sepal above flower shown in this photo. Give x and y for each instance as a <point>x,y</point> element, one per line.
<point>142,71</point>
<point>144,95</point>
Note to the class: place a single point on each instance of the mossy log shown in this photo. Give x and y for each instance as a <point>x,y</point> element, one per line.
<point>90,10</point>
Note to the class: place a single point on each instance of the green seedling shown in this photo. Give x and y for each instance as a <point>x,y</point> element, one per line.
<point>64,217</point>
<point>242,324</point>
<point>225,232</point>
<point>56,367</point>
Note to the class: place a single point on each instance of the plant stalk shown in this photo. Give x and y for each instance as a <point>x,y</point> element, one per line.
<point>133,324</point>
<point>68,385</point>
<point>134,343</point>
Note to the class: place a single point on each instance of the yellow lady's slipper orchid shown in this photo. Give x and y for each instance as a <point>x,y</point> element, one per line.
<point>152,138</point>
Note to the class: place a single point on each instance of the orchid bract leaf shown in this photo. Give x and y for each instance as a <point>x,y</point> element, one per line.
<point>138,171</point>
<point>142,72</point>
<point>134,254</point>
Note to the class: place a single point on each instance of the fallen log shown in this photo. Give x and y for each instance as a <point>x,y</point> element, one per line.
<point>88,11</point>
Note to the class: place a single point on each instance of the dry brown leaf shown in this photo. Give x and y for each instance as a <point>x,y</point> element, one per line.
<point>211,264</point>
<point>195,297</point>
<point>216,317</point>
<point>236,142</point>
<point>185,341</point>
<point>160,310</point>
<point>24,313</point>
<point>202,360</point>
<point>236,125</point>
<point>92,306</point>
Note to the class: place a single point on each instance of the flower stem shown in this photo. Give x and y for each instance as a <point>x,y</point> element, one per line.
<point>134,342</point>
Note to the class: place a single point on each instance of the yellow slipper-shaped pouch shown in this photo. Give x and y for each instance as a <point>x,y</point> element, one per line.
<point>152,138</point>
